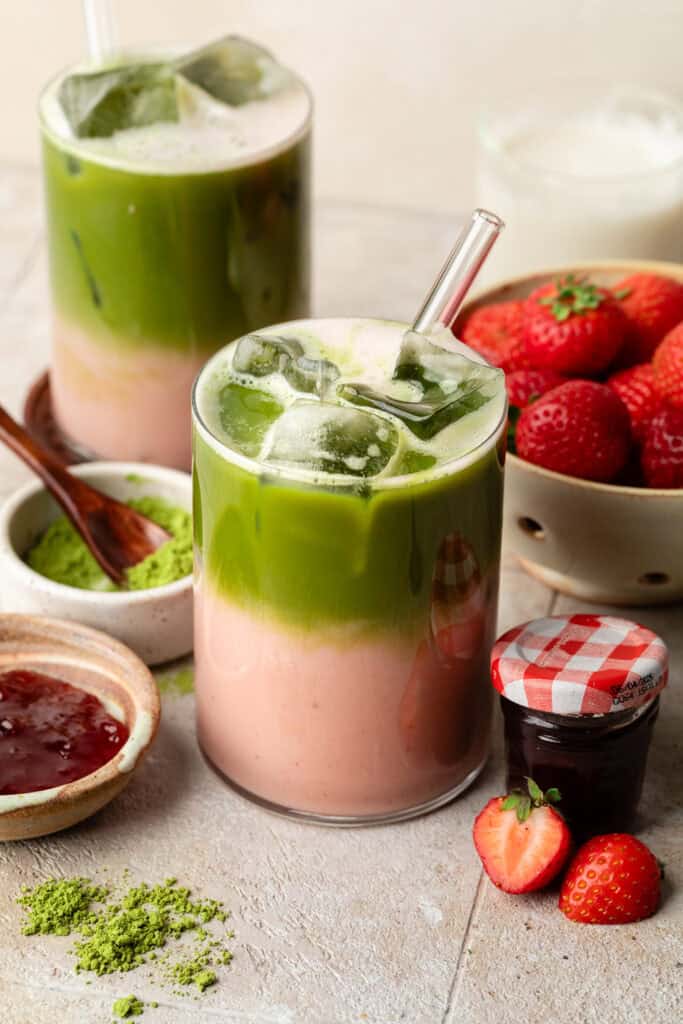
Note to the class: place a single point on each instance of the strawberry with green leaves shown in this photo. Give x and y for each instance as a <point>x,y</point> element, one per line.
<point>573,327</point>
<point>612,879</point>
<point>522,839</point>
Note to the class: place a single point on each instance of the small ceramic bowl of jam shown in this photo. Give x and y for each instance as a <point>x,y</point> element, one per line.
<point>580,698</point>
<point>78,712</point>
<point>47,570</point>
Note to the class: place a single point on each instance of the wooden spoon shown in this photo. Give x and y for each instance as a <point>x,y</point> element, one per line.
<point>117,536</point>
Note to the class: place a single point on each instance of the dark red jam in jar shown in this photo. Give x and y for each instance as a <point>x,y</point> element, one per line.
<point>51,732</point>
<point>579,696</point>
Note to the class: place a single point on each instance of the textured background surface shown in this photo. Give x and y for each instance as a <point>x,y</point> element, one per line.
<point>397,85</point>
<point>383,925</point>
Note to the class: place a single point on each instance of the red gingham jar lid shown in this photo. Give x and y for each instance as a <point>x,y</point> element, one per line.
<point>579,664</point>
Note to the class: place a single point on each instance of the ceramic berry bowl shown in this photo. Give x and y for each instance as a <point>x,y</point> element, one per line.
<point>98,666</point>
<point>155,623</point>
<point>606,542</point>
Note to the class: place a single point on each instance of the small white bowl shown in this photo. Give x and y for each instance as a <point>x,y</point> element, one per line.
<point>155,623</point>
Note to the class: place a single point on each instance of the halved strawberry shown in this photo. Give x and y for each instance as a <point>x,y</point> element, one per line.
<point>613,879</point>
<point>523,842</point>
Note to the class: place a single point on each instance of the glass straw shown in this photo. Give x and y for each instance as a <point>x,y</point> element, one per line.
<point>459,271</point>
<point>100,29</point>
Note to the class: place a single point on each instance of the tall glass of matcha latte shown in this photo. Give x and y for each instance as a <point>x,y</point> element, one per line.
<point>177,193</point>
<point>348,486</point>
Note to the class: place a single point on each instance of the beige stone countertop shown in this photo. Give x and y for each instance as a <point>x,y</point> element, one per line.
<point>380,925</point>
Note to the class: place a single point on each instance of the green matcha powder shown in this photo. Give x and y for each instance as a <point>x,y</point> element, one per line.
<point>118,933</point>
<point>61,554</point>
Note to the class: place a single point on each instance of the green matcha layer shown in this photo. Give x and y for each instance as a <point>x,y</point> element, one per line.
<point>313,557</point>
<point>332,458</point>
<point>186,261</point>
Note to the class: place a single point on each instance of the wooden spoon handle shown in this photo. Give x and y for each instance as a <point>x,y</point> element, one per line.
<point>65,488</point>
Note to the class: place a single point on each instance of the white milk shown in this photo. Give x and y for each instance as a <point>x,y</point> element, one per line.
<point>604,180</point>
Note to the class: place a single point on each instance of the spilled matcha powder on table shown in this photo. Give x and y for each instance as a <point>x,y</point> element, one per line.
<point>61,554</point>
<point>145,925</point>
<point>128,1006</point>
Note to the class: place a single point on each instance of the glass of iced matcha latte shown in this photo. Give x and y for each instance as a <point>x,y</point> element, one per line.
<point>348,489</point>
<point>177,191</point>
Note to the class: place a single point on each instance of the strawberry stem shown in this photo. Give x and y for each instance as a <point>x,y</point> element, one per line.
<point>572,295</point>
<point>524,804</point>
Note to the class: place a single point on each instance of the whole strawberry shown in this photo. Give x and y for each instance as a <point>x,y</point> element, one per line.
<point>522,840</point>
<point>495,332</point>
<point>524,386</point>
<point>612,879</point>
<point>580,428</point>
<point>636,388</point>
<point>662,453</point>
<point>667,365</point>
<point>573,327</point>
<point>653,305</point>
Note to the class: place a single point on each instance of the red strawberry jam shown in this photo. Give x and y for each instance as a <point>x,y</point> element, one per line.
<point>51,732</point>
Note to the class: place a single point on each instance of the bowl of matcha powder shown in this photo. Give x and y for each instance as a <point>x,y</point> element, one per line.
<point>49,570</point>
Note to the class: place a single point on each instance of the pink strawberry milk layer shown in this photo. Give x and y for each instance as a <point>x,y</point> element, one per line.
<point>96,394</point>
<point>346,568</point>
<point>336,725</point>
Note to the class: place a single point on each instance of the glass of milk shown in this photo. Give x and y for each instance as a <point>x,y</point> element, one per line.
<point>583,171</point>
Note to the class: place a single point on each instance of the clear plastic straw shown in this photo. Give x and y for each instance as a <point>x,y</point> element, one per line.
<point>459,271</point>
<point>100,29</point>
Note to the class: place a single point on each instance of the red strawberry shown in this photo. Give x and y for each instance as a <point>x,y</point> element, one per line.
<point>573,327</point>
<point>612,879</point>
<point>653,305</point>
<point>668,367</point>
<point>662,455</point>
<point>525,385</point>
<point>580,428</point>
<point>636,388</point>
<point>495,332</point>
<point>522,840</point>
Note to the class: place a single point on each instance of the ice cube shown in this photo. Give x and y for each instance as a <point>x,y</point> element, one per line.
<point>246,414</point>
<point>431,387</point>
<point>100,103</point>
<point>260,356</point>
<point>313,376</point>
<point>422,362</point>
<point>331,439</point>
<point>234,70</point>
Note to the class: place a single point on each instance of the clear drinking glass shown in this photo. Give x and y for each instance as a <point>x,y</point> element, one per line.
<point>165,242</point>
<point>342,624</point>
<point>583,170</point>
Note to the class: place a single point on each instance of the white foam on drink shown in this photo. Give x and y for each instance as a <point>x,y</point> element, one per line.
<point>209,136</point>
<point>365,350</point>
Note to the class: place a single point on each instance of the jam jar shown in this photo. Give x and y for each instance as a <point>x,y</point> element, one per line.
<point>580,697</point>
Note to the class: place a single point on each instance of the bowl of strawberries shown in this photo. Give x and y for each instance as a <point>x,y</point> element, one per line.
<point>593,357</point>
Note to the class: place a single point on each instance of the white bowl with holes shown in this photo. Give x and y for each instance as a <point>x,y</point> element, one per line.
<point>599,542</point>
<point>157,623</point>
